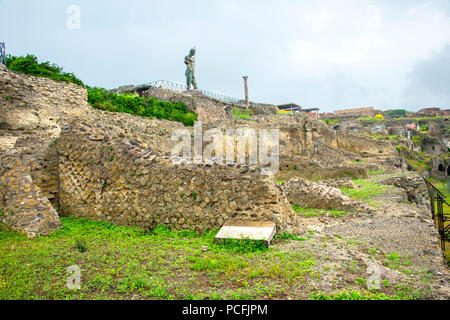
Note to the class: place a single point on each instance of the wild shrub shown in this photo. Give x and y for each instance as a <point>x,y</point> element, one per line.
<point>288,236</point>
<point>29,65</point>
<point>81,245</point>
<point>243,246</point>
<point>149,107</point>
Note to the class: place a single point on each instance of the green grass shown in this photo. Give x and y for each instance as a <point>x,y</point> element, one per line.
<point>242,113</point>
<point>370,119</point>
<point>349,295</point>
<point>441,186</point>
<point>401,293</point>
<point>288,237</point>
<point>366,188</point>
<point>308,212</point>
<point>394,260</point>
<point>123,263</point>
<point>423,118</point>
<point>418,142</point>
<point>120,262</point>
<point>419,164</point>
<point>392,137</point>
<point>331,121</point>
<point>376,172</point>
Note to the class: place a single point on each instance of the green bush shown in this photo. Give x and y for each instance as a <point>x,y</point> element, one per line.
<point>146,107</point>
<point>243,245</point>
<point>81,245</point>
<point>397,113</point>
<point>30,65</point>
<point>418,142</point>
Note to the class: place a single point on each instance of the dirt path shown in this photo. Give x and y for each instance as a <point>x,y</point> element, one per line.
<point>398,245</point>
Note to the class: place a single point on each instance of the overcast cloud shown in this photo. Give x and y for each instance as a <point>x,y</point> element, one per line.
<point>327,54</point>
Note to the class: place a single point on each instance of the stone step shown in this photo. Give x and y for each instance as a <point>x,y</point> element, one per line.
<point>252,230</point>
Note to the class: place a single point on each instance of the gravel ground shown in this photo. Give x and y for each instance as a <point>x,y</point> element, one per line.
<point>358,246</point>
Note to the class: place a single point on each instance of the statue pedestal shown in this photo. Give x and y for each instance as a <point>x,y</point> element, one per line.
<point>195,92</point>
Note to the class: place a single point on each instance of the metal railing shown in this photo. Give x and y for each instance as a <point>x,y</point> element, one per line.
<point>173,86</point>
<point>2,53</point>
<point>437,201</point>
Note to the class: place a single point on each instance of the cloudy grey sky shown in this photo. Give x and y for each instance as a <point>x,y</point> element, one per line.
<point>330,54</point>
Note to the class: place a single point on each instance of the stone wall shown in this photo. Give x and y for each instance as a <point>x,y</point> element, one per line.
<point>34,111</point>
<point>414,186</point>
<point>308,194</point>
<point>362,145</point>
<point>23,205</point>
<point>366,111</point>
<point>29,103</point>
<point>207,109</point>
<point>263,109</point>
<point>116,167</point>
<point>109,179</point>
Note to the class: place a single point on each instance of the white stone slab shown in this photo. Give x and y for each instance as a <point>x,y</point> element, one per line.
<point>258,231</point>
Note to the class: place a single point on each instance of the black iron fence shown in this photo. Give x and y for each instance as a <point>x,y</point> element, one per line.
<point>2,53</point>
<point>437,200</point>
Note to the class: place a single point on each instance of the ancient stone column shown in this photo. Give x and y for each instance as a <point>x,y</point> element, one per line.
<point>246,90</point>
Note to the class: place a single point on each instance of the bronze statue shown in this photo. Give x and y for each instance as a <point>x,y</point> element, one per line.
<point>189,61</point>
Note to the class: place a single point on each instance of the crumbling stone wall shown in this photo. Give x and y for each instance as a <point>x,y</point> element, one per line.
<point>263,108</point>
<point>30,103</point>
<point>308,194</point>
<point>365,111</point>
<point>365,146</point>
<point>116,167</point>
<point>414,186</point>
<point>109,179</point>
<point>34,111</point>
<point>23,205</point>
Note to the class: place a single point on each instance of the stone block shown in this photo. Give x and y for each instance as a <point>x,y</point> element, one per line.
<point>252,230</point>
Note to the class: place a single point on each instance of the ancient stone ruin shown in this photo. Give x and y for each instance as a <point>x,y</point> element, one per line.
<point>60,157</point>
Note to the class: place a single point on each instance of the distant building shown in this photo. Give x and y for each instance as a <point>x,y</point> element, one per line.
<point>435,112</point>
<point>311,112</point>
<point>446,112</point>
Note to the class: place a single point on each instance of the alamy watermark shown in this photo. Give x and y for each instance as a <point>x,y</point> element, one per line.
<point>74,280</point>
<point>228,147</point>
<point>74,19</point>
<point>374,279</point>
